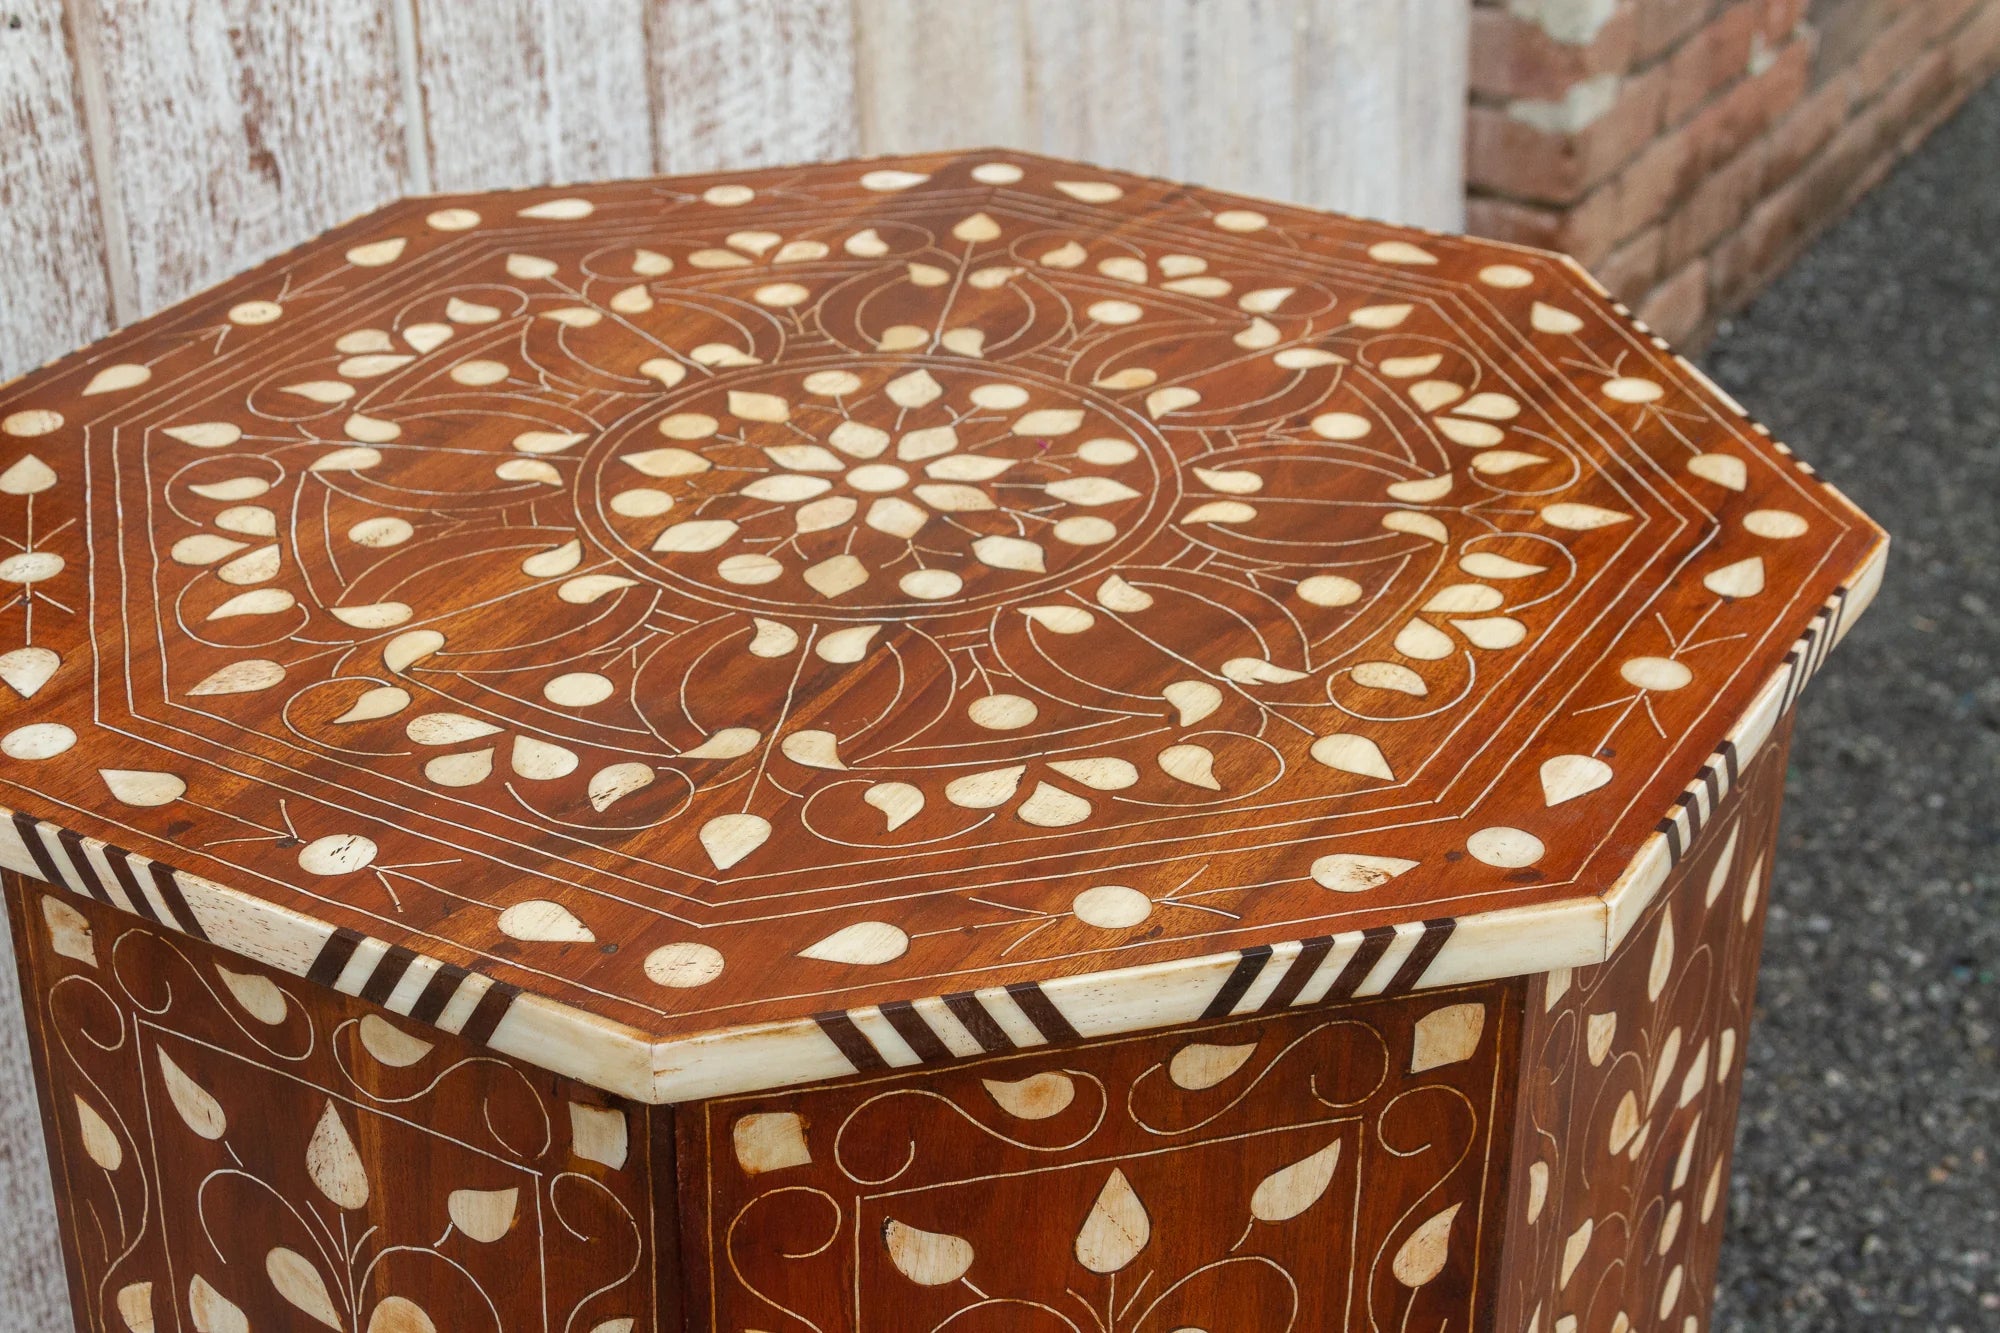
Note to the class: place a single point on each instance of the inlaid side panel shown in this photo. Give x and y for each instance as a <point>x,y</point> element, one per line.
<point>1628,1099</point>
<point>235,1149</point>
<point>1317,1171</point>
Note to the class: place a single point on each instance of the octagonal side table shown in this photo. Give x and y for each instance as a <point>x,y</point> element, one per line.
<point>952,743</point>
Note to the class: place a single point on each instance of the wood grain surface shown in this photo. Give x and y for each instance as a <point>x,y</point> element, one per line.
<point>237,1149</point>
<point>56,294</point>
<point>1632,1074</point>
<point>1334,1170</point>
<point>727,601</point>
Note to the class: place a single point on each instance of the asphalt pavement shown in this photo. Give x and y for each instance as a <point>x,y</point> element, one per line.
<point>1867,1190</point>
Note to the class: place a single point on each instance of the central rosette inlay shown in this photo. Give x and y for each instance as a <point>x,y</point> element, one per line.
<point>881,487</point>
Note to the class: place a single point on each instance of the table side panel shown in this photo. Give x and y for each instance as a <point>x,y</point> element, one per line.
<point>1340,1168</point>
<point>236,1149</point>
<point>1632,1075</point>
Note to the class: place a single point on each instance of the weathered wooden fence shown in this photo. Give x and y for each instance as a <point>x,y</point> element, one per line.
<point>149,148</point>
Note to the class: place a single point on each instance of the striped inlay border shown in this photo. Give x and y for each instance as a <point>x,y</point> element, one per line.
<point>1261,979</point>
<point>389,976</point>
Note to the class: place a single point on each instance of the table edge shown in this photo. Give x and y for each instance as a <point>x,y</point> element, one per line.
<point>629,1062</point>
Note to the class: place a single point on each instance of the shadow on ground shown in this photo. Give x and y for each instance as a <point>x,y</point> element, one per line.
<point>1867,1195</point>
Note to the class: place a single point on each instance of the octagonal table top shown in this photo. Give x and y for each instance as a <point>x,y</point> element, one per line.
<point>715,632</point>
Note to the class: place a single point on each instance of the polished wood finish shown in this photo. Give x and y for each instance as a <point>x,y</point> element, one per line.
<point>1323,1170</point>
<point>1631,1076</point>
<point>235,1149</point>
<point>1512,1155</point>
<point>731,606</point>
<point>1124,753</point>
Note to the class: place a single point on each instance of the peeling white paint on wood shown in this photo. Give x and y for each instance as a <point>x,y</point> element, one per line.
<point>149,151</point>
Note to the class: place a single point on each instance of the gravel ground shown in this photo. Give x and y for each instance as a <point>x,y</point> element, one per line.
<point>1867,1192</point>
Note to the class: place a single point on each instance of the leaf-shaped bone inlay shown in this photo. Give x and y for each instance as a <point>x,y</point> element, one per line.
<point>1201,1065</point>
<point>1037,1097</point>
<point>1289,1191</point>
<point>484,1215</point>
<point>201,1112</point>
<point>1421,1257</point>
<point>333,1164</point>
<point>863,943</point>
<point>299,1282</point>
<point>1116,1229</point>
<point>927,1258</point>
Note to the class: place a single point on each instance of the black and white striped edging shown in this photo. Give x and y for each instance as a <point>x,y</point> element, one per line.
<point>1720,773</point>
<point>136,884</point>
<point>406,982</point>
<point>449,997</point>
<point>1264,979</point>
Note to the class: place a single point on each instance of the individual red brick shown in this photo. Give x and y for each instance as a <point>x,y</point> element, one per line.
<point>1795,211</point>
<point>1628,272</point>
<point>1725,125</point>
<point>1590,229</point>
<point>1781,19</point>
<point>1942,16</point>
<point>1677,308</point>
<point>1712,58</point>
<point>1909,101</point>
<point>1511,220</point>
<point>1662,23</point>
<point>1665,170</point>
<point>1715,208</point>
<point>1514,58</point>
<point>1975,48</point>
<point>1799,135</point>
<point>1845,29</point>
<point>1891,52</point>
<point>1506,155</point>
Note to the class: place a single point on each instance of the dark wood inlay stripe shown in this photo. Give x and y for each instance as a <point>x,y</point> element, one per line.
<point>853,1043</point>
<point>1689,802</point>
<point>1042,1012</point>
<point>1672,828</point>
<point>985,1029</point>
<point>176,901</point>
<point>1241,977</point>
<point>333,956</point>
<point>912,1028</point>
<point>1711,778</point>
<point>389,970</point>
<point>437,993</point>
<point>72,845</point>
<point>1436,932</point>
<point>1312,953</point>
<point>486,1016</point>
<point>1375,942</point>
<point>38,850</point>
<point>120,861</point>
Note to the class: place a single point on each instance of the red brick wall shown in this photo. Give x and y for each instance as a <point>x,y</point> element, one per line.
<point>1685,150</point>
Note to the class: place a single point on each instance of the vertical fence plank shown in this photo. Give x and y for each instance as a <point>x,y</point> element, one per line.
<point>483,72</point>
<point>234,129</point>
<point>941,75</point>
<point>1094,79</point>
<point>54,293</point>
<point>1353,104</point>
<point>1385,134</point>
<point>599,69</point>
<point>1232,98</point>
<point>1434,64</point>
<point>749,83</point>
<point>526,92</point>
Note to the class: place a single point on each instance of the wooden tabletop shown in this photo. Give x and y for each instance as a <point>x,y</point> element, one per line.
<point>707,633</point>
